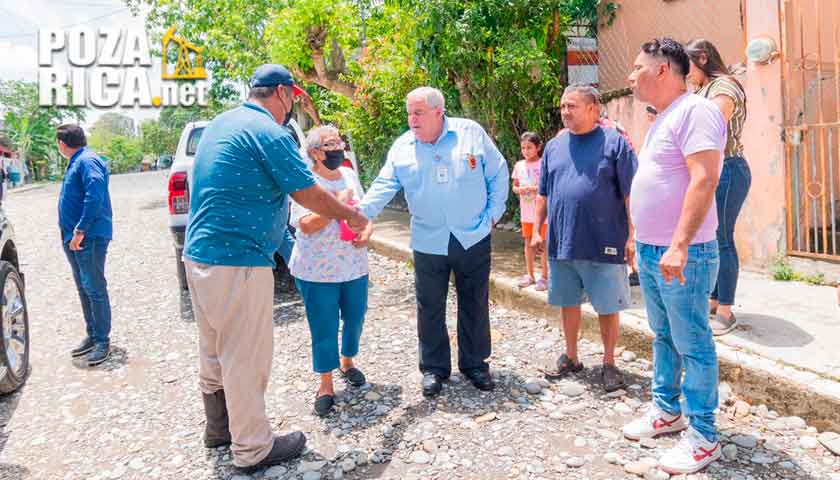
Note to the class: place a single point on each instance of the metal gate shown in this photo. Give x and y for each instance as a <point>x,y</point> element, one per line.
<point>811,82</point>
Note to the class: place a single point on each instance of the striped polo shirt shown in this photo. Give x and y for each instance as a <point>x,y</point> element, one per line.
<point>725,85</point>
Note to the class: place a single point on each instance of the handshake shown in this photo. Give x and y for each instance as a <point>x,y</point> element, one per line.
<point>358,222</point>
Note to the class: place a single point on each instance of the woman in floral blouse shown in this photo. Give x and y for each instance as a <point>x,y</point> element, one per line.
<point>330,266</point>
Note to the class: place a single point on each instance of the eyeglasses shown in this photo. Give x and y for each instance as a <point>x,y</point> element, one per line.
<point>336,145</point>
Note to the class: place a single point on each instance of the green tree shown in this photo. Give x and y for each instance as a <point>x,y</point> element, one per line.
<point>501,62</point>
<point>110,126</point>
<point>125,153</point>
<point>29,127</point>
<point>115,124</point>
<point>231,32</point>
<point>155,139</point>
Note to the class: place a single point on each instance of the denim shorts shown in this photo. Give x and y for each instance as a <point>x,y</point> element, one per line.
<point>606,285</point>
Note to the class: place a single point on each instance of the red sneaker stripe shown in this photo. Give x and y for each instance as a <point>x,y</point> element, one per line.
<point>661,422</point>
<point>706,453</point>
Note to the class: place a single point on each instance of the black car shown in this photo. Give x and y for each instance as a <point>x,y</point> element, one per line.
<point>14,317</point>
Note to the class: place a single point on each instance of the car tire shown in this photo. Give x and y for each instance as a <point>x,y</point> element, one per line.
<point>181,270</point>
<point>14,330</point>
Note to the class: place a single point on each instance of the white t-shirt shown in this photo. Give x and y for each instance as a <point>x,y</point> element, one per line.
<point>323,256</point>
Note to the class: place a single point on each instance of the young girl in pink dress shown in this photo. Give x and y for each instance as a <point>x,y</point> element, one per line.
<point>526,181</point>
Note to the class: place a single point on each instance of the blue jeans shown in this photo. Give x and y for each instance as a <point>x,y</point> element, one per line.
<point>735,179</point>
<point>88,265</point>
<point>325,302</point>
<point>679,317</point>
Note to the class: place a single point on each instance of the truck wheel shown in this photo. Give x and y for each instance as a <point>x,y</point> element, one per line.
<point>182,271</point>
<point>14,330</point>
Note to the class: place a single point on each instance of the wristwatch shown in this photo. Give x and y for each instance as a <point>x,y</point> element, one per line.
<point>76,231</point>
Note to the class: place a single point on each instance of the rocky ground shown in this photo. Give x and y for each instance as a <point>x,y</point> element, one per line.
<point>139,415</point>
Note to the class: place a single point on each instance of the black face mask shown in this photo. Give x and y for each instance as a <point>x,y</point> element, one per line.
<point>289,113</point>
<point>334,159</point>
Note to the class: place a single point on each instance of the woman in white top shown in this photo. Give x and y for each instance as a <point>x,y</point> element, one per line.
<point>330,266</point>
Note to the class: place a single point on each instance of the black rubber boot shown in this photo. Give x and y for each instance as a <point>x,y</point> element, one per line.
<point>216,431</point>
<point>285,448</point>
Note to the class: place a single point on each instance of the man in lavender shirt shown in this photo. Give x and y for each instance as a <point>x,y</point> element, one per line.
<point>672,206</point>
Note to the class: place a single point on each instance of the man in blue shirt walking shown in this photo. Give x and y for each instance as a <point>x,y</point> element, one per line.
<point>456,185</point>
<point>85,220</point>
<point>246,165</point>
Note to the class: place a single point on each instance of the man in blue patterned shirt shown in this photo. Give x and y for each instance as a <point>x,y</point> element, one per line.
<point>456,185</point>
<point>245,166</point>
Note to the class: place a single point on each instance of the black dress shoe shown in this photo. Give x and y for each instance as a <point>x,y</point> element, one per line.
<point>83,349</point>
<point>432,384</point>
<point>481,380</point>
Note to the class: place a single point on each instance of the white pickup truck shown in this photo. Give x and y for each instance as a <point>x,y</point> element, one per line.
<point>180,178</point>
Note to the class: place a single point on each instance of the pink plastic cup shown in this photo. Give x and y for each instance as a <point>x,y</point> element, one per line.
<point>347,234</point>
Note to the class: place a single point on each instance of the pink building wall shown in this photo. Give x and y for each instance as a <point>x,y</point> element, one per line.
<point>761,230</point>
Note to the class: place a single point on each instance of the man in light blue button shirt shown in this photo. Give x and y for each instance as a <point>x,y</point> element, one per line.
<point>456,185</point>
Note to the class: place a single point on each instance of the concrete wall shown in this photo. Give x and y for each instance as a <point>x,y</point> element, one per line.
<point>761,229</point>
<point>638,21</point>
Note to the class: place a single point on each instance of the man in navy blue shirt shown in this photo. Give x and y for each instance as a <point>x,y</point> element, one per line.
<point>85,220</point>
<point>586,175</point>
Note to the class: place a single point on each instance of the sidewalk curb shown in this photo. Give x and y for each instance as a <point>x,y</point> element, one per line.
<point>27,188</point>
<point>756,379</point>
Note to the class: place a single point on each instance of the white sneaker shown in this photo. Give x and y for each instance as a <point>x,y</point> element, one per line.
<point>692,454</point>
<point>653,423</point>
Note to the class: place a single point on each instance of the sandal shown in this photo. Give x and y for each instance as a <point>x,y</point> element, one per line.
<point>525,281</point>
<point>721,325</point>
<point>324,405</point>
<point>564,367</point>
<point>611,378</point>
<point>354,376</point>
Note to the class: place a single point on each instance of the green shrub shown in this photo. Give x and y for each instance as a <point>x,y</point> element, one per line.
<point>781,270</point>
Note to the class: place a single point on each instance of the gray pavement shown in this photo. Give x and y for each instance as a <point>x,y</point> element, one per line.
<point>139,415</point>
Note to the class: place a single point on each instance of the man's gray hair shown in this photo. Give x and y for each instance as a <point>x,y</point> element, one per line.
<point>432,96</point>
<point>315,137</point>
<point>590,92</point>
<point>261,93</point>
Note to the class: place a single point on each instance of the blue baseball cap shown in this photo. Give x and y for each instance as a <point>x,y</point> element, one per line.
<point>271,75</point>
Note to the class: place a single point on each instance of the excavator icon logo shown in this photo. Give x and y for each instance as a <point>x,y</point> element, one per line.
<point>189,65</point>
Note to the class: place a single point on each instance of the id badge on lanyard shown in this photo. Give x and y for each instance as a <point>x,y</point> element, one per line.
<point>442,174</point>
<point>441,171</point>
